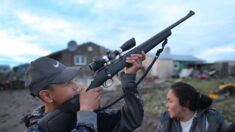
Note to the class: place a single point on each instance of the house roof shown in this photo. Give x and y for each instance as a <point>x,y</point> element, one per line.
<point>185,58</point>
<point>60,51</point>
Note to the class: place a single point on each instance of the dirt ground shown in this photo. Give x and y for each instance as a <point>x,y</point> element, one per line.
<point>17,103</point>
<point>13,106</point>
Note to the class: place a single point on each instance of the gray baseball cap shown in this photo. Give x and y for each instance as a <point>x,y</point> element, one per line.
<point>44,71</point>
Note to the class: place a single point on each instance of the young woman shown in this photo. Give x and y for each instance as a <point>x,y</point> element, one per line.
<point>188,111</point>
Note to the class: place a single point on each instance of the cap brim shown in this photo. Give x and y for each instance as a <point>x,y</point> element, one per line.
<point>68,74</point>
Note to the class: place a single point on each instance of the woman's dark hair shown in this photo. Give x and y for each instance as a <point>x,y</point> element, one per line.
<point>189,97</point>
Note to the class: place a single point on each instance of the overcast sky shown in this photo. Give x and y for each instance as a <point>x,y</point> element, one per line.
<point>33,28</point>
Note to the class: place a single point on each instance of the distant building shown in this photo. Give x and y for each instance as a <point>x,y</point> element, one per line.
<point>228,68</point>
<point>169,65</point>
<point>4,69</point>
<point>19,71</point>
<point>231,65</point>
<point>79,55</point>
<point>13,79</point>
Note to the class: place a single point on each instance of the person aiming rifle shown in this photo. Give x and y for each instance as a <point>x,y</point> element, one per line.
<point>42,80</point>
<point>53,83</point>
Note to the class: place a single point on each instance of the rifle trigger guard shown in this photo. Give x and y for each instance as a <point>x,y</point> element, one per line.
<point>109,75</point>
<point>106,83</point>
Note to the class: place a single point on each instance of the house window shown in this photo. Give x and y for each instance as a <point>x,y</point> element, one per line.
<point>176,65</point>
<point>89,48</point>
<point>80,60</point>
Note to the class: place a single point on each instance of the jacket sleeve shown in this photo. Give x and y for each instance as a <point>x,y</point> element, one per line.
<point>223,125</point>
<point>160,124</point>
<point>86,122</point>
<point>216,120</point>
<point>131,114</point>
<point>34,128</point>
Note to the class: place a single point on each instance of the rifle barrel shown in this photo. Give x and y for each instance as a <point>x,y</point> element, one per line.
<point>181,20</point>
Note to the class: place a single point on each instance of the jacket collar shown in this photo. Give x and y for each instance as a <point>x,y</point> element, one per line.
<point>33,117</point>
<point>201,112</point>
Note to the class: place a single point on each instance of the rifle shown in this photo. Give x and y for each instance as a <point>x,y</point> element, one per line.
<point>112,69</point>
<point>61,119</point>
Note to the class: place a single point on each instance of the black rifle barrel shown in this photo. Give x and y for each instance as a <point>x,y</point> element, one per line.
<point>181,20</point>
<point>110,70</point>
<point>156,39</point>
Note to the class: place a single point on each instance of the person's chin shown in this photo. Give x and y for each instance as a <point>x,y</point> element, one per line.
<point>171,115</point>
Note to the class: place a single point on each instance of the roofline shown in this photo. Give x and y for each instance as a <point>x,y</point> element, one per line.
<point>89,42</point>
<point>93,43</point>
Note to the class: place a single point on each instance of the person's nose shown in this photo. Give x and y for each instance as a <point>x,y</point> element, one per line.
<point>167,105</point>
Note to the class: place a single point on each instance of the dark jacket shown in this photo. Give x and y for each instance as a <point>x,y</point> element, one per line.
<point>124,120</point>
<point>207,120</point>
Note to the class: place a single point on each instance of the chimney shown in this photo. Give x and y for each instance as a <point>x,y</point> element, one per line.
<point>72,45</point>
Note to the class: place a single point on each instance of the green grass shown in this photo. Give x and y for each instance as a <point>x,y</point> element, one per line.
<point>227,107</point>
<point>207,85</point>
<point>155,101</point>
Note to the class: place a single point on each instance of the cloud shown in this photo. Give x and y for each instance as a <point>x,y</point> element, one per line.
<point>112,22</point>
<point>21,59</point>
<point>41,23</point>
<point>12,45</point>
<point>82,1</point>
<point>56,28</point>
<point>220,50</point>
<point>27,18</point>
<point>218,53</point>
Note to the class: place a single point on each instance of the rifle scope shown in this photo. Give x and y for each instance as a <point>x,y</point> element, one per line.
<point>99,62</point>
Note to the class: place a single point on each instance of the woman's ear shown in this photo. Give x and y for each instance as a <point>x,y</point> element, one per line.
<point>46,96</point>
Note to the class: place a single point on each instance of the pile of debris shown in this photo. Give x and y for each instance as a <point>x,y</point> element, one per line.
<point>13,79</point>
<point>225,90</point>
